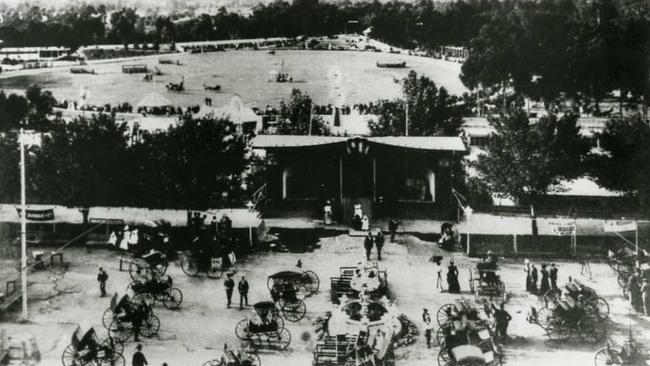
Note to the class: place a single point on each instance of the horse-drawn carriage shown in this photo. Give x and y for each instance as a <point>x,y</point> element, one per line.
<point>153,263</point>
<point>155,288</point>
<point>88,350</point>
<point>306,282</point>
<point>631,353</point>
<point>193,264</point>
<point>128,316</point>
<point>625,262</point>
<point>285,297</point>
<point>484,280</point>
<point>266,329</point>
<point>465,336</point>
<point>236,357</point>
<point>352,280</point>
<point>577,314</point>
<point>176,87</point>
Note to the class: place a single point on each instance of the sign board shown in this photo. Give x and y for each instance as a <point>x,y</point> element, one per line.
<point>563,228</point>
<point>615,226</point>
<point>37,215</point>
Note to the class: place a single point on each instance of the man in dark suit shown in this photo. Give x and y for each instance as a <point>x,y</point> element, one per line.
<point>229,284</point>
<point>367,244</point>
<point>242,287</point>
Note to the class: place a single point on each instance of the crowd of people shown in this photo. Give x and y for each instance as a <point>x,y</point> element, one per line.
<point>548,278</point>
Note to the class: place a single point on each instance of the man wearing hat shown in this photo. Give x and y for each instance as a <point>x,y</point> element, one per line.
<point>138,357</point>
<point>428,326</point>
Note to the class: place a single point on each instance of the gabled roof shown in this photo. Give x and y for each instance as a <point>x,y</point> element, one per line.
<point>430,143</point>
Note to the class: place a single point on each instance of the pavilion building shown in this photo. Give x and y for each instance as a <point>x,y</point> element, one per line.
<point>410,177</point>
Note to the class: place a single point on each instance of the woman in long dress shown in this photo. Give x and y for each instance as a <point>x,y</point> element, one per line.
<point>452,278</point>
<point>545,284</point>
<point>528,278</point>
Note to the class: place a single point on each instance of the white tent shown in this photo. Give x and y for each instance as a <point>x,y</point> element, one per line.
<point>154,100</point>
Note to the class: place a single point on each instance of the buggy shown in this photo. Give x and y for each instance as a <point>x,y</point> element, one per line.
<point>266,330</point>
<point>285,296</point>
<point>306,282</point>
<point>581,294</point>
<point>122,316</point>
<point>157,289</point>
<point>150,264</point>
<point>88,350</point>
<point>632,353</point>
<point>484,280</point>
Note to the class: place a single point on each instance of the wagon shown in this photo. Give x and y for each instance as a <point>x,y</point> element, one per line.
<point>484,280</point>
<point>570,320</point>
<point>88,350</point>
<point>306,282</point>
<point>122,315</point>
<point>581,294</point>
<point>285,296</point>
<point>151,264</point>
<point>157,289</point>
<point>468,343</point>
<point>266,330</point>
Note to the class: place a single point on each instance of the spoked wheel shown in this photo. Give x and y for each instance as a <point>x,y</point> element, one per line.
<point>269,283</point>
<point>551,295</point>
<point>241,329</point>
<point>69,356</point>
<point>294,311</point>
<point>150,326</point>
<point>283,338</point>
<point>107,318</point>
<point>114,346</point>
<point>117,361</point>
<point>599,306</point>
<point>310,282</point>
<point>172,298</point>
<point>557,331</point>
<point>443,358</point>
<point>444,313</point>
<point>120,331</point>
<point>190,266</point>
<point>544,317</point>
<point>440,336</point>
<point>606,357</point>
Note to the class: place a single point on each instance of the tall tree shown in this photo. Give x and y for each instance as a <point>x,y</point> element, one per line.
<point>298,119</point>
<point>123,24</point>
<point>526,160</point>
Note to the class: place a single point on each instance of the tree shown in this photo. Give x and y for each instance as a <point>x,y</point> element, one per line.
<point>298,119</point>
<point>123,24</point>
<point>35,107</point>
<point>625,164</point>
<point>526,160</point>
<point>431,111</point>
<point>9,168</point>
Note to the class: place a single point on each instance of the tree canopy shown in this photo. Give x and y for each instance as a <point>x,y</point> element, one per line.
<point>528,159</point>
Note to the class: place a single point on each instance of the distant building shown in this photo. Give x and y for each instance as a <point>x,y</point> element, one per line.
<point>33,53</point>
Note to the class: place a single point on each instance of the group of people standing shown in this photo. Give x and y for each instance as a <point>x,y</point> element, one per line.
<point>548,278</point>
<point>376,241</point>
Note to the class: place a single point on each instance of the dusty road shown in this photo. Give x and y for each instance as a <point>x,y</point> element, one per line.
<point>63,299</point>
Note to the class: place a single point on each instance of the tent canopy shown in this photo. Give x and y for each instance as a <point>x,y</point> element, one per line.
<point>154,100</point>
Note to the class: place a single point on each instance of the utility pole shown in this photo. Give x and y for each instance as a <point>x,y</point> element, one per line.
<point>23,226</point>
<point>407,117</point>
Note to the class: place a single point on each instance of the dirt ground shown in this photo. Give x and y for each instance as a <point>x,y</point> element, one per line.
<point>62,299</point>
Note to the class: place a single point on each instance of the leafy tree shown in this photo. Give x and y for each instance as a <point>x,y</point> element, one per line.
<point>297,117</point>
<point>123,23</point>
<point>431,111</point>
<point>625,164</point>
<point>526,160</point>
<point>9,168</point>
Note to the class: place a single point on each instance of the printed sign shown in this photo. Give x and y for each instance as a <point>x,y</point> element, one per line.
<point>615,226</point>
<point>563,228</point>
<point>37,215</point>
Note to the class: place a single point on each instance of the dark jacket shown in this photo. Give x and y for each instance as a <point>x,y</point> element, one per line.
<point>139,359</point>
<point>243,287</point>
<point>368,243</point>
<point>229,284</point>
<point>102,276</point>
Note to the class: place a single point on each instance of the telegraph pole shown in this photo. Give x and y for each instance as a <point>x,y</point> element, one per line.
<point>23,226</point>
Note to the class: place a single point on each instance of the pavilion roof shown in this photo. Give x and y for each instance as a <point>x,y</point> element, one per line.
<point>431,143</point>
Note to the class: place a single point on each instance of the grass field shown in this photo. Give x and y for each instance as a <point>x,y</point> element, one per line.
<point>328,76</point>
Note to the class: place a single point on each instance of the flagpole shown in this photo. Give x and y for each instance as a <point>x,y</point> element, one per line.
<point>23,226</point>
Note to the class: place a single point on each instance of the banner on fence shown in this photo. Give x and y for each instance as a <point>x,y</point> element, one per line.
<point>37,215</point>
<point>615,226</point>
<point>563,228</point>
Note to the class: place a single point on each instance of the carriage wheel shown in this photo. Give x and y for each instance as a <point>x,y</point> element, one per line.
<point>283,338</point>
<point>117,361</point>
<point>215,272</point>
<point>190,266</point>
<point>622,278</point>
<point>253,358</point>
<point>557,330</point>
<point>69,356</point>
<point>606,357</point>
<point>172,298</point>
<point>551,295</point>
<point>107,318</point>
<point>294,311</point>
<point>241,329</point>
<point>544,317</point>
<point>311,283</point>
<point>255,341</point>
<point>269,282</point>
<point>443,358</point>
<point>114,346</point>
<point>150,326</point>
<point>599,306</point>
<point>443,314</point>
<point>120,331</point>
